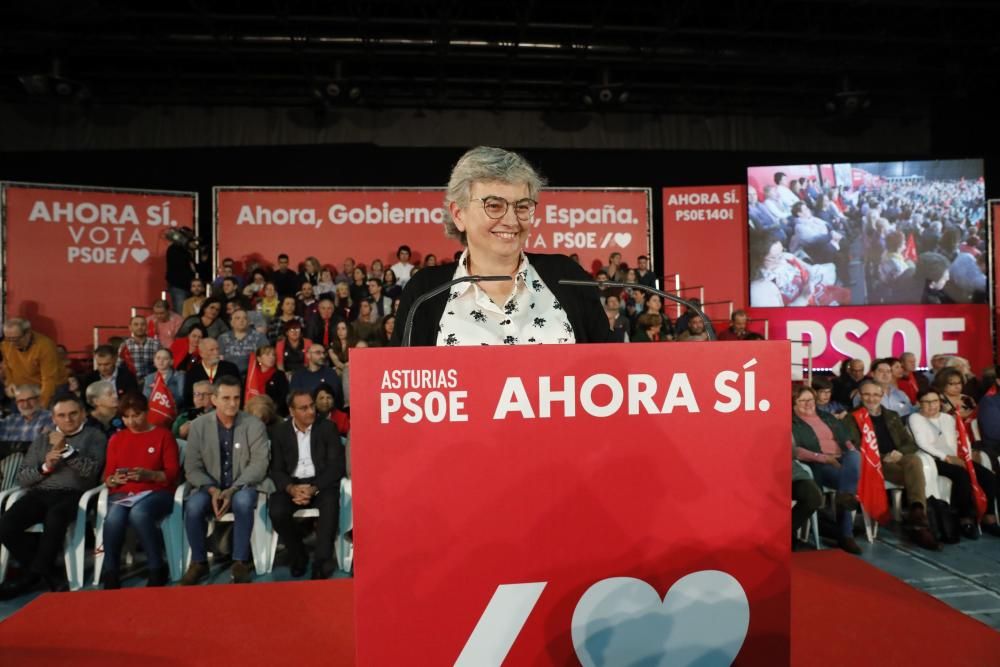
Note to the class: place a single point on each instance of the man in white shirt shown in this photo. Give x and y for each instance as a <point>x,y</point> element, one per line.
<point>307,463</point>
<point>402,268</point>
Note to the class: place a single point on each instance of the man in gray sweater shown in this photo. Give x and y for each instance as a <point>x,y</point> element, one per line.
<point>58,467</point>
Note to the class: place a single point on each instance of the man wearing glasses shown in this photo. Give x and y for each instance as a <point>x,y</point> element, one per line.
<point>489,207</point>
<point>17,431</point>
<point>30,358</point>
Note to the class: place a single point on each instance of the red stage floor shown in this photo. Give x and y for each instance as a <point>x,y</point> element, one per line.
<point>844,612</point>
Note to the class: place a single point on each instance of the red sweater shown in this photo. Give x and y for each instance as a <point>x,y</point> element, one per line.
<point>152,450</point>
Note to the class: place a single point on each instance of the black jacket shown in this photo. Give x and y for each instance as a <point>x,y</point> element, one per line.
<point>197,374</point>
<point>582,304</point>
<point>326,449</point>
<point>125,382</point>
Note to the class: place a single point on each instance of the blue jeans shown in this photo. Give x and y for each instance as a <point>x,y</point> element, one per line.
<point>199,508</point>
<point>177,298</point>
<point>844,479</point>
<point>143,517</point>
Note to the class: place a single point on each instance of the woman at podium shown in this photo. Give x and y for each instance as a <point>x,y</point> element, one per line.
<point>489,207</point>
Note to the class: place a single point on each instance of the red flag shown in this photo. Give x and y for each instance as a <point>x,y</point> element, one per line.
<point>965,453</point>
<point>162,408</point>
<point>151,330</point>
<point>871,486</point>
<point>910,252</point>
<point>255,379</point>
<point>126,358</point>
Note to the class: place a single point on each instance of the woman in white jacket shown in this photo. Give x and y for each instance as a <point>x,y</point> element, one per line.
<point>935,433</point>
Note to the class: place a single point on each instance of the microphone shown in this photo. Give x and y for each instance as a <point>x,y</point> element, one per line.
<point>709,329</point>
<point>408,327</point>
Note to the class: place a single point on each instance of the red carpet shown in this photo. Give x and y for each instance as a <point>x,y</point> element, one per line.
<point>311,624</point>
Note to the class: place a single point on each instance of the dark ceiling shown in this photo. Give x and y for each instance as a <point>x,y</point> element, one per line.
<point>804,58</point>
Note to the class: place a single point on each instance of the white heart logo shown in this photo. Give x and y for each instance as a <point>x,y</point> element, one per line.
<point>140,254</point>
<point>702,620</point>
<point>623,239</point>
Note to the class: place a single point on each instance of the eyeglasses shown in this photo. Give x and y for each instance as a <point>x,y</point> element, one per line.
<point>496,207</point>
<point>930,401</point>
<point>26,399</point>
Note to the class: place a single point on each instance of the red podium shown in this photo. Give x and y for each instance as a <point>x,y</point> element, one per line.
<point>607,504</point>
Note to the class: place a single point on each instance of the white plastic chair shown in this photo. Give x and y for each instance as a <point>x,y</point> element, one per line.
<point>172,528</point>
<point>260,535</point>
<point>74,548</point>
<point>812,525</point>
<point>343,546</point>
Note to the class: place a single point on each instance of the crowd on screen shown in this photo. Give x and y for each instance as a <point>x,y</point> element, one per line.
<point>942,424</point>
<point>898,241</point>
<point>267,352</point>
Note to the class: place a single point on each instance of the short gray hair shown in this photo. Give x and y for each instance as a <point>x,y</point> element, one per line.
<point>27,388</point>
<point>23,325</point>
<point>204,385</point>
<point>97,389</point>
<point>486,163</point>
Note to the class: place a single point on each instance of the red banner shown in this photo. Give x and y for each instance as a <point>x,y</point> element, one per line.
<point>707,217</point>
<point>870,332</point>
<point>258,224</point>
<point>590,505</point>
<point>70,249</point>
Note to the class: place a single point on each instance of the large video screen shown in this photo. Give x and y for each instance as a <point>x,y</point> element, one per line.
<point>868,233</point>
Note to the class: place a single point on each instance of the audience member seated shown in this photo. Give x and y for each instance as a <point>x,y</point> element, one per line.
<point>164,324</point>
<point>311,269</point>
<point>936,433</point>
<point>192,305</point>
<point>106,367</point>
<point>291,350</point>
<point>402,269</point>
<point>824,398</point>
<point>236,345</point>
<point>365,327</point>
<point>695,330</point>
<point>988,416</point>
<point>648,328</point>
<point>737,329</point>
<point>900,463</point>
<point>949,384</point>
<point>263,408</point>
<point>225,463</point>
<point>307,463</point>
<point>385,330</point>
<point>308,305</point>
<point>138,349</point>
<point>202,395</point>
<point>325,285</point>
<point>19,430</point>
<point>822,442</point>
<point>29,357</point>
<point>103,416</point>
<point>59,466</point>
<point>323,328</point>
<point>267,303</point>
<point>285,279</point>
<point>654,304</point>
<point>185,350</point>
<point>211,368</point>
<point>644,275</point>
<point>231,293</point>
<point>310,377</point>
<point>892,397</point>
<point>845,385</point>
<point>910,382</point>
<point>286,313</point>
<point>141,470</point>
<point>208,318</point>
<point>618,323</point>
<point>389,285</point>
<point>163,361</point>
<point>359,284</point>
<point>340,350</point>
<point>269,380</point>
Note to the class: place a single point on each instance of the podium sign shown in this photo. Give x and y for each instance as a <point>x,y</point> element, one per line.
<point>607,504</point>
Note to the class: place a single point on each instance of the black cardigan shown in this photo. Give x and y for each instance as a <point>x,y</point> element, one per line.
<point>582,305</point>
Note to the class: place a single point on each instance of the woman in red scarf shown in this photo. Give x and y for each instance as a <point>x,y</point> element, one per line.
<point>185,350</point>
<point>264,378</point>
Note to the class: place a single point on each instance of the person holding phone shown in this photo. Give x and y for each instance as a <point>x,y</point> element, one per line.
<point>141,470</point>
